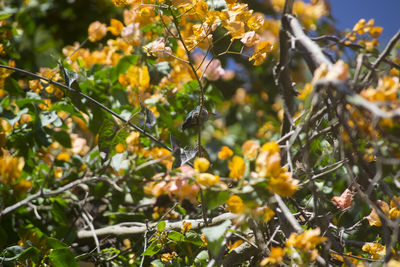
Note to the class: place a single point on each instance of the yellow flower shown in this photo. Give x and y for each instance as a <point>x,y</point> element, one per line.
<point>207,179</point>
<point>264,212</point>
<point>36,86</point>
<point>97,31</point>
<point>116,27</point>
<point>268,164</point>
<point>22,186</point>
<point>144,78</point>
<point>120,148</point>
<point>186,226</point>
<point>359,26</point>
<point>235,244</point>
<point>58,173</point>
<point>201,164</point>
<point>237,167</point>
<point>305,241</point>
<point>305,91</point>
<point>275,257</point>
<point>375,249</point>
<point>225,153</point>
<point>376,31</point>
<point>283,185</point>
<point>373,217</point>
<point>135,77</point>
<point>121,3</point>
<point>201,8</point>
<point>250,149</point>
<point>255,22</point>
<point>272,147</point>
<point>63,156</point>
<point>10,168</point>
<point>235,204</point>
<point>166,257</point>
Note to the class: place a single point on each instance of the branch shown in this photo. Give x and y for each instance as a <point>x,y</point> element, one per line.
<point>140,228</point>
<point>282,73</point>
<point>383,55</point>
<point>43,193</point>
<point>312,53</point>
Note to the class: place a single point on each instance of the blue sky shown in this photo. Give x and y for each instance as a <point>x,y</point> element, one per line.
<point>385,12</point>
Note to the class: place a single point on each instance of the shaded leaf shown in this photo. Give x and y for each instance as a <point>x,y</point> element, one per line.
<point>176,236</point>
<point>161,226</point>
<point>215,198</point>
<point>214,233</point>
<point>152,249</point>
<point>11,117</point>
<point>63,257</point>
<point>106,136</point>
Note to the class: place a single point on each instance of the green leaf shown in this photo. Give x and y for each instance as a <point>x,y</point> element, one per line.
<point>202,258</point>
<point>215,199</point>
<point>12,118</point>
<point>125,62</point>
<point>63,257</point>
<point>12,87</point>
<point>176,236</point>
<point>161,225</point>
<point>106,136</point>
<point>119,161</point>
<point>163,67</point>
<point>55,243</point>
<point>214,233</point>
<point>215,236</point>
<point>63,138</point>
<point>13,253</point>
<point>31,253</point>
<point>157,263</point>
<point>194,238</point>
<point>5,16</point>
<point>152,249</point>
<point>47,117</point>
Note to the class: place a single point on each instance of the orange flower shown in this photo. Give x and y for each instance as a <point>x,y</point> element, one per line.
<point>275,257</point>
<point>272,147</point>
<point>250,149</point>
<point>63,156</point>
<point>237,167</point>
<point>116,27</point>
<point>22,186</point>
<point>201,164</point>
<point>186,226</point>
<point>121,3</point>
<point>250,38</point>
<point>207,179</point>
<point>120,148</point>
<point>375,249</point>
<point>305,241</point>
<point>235,204</point>
<point>97,31</point>
<point>283,185</point>
<point>225,153</point>
<point>373,217</point>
